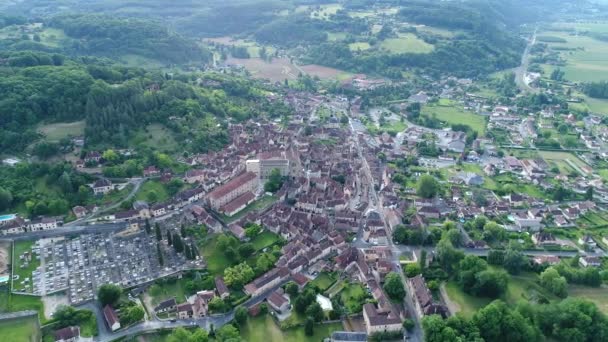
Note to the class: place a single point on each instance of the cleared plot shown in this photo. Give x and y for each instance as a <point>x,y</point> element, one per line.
<point>152,191</point>
<point>406,43</point>
<point>325,11</point>
<point>452,113</point>
<point>133,60</point>
<point>556,156</point>
<point>57,131</point>
<point>435,30</point>
<point>324,72</point>
<point>335,36</point>
<point>599,27</point>
<point>22,329</point>
<point>277,70</point>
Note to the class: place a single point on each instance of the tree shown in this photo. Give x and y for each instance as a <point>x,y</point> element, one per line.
<point>216,304</point>
<point>468,268</point>
<point>246,250</point>
<point>237,276</point>
<point>309,326</point>
<point>393,286</point>
<point>182,335</point>
<point>490,283</point>
<point>493,232</point>
<point>412,270</point>
<point>302,301</point>
<point>454,236</point>
<point>496,257</point>
<point>6,198</point>
<point>108,294</point>
<point>182,231</point>
<point>159,253</point>
<point>132,314</point>
<point>408,324</point>
<point>514,261</point>
<point>274,182</point>
<point>315,311</point>
<point>228,333</point>
<point>148,227</point>
<point>427,186</point>
<point>552,281</point>
<point>178,244</point>
<point>589,194</point>
<point>240,315</point>
<point>159,235</point>
<point>448,255</point>
<point>496,322</point>
<point>169,238</point>
<point>292,289</point>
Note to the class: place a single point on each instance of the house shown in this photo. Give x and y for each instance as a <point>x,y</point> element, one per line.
<point>79,211</point>
<point>238,204</point>
<point>159,209</point>
<point>376,321</point>
<point>266,281</point>
<point>237,231</point>
<point>67,334</point>
<point>246,182</point>
<point>544,239</point>
<point>185,311</point>
<point>278,302</point>
<point>222,289</point>
<point>168,305</point>
<point>43,223</point>
<point>194,176</point>
<point>151,171</point>
<point>111,318</point>
<point>590,261</point>
<point>429,212</point>
<point>92,156</point>
<point>587,242</point>
<point>102,186</point>
<point>546,260</point>
<point>423,298</point>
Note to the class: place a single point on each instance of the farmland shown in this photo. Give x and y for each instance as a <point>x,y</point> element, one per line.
<point>280,69</point>
<point>57,131</point>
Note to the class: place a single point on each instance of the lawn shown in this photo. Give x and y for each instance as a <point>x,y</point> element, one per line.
<point>468,304</point>
<point>353,296</point>
<point>452,113</point>
<point>215,258</point>
<point>597,295</point>
<point>406,43</point>
<point>168,288</point>
<point>394,127</point>
<point>23,272</point>
<point>263,240</point>
<point>22,330</point>
<point>57,131</point>
<point>152,186</point>
<point>324,280</point>
<point>263,329</point>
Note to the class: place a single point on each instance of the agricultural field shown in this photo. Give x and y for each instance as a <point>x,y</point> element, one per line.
<point>134,60</point>
<point>406,43</point>
<point>325,11</point>
<point>57,131</point>
<point>253,48</point>
<point>359,46</point>
<point>452,113</point>
<point>263,328</point>
<point>586,57</point>
<point>563,160</point>
<point>24,329</point>
<point>52,36</point>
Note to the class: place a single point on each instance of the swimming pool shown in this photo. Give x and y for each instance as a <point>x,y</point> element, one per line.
<point>7,217</point>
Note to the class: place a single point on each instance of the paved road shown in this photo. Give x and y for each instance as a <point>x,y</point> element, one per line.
<point>520,71</point>
<point>69,230</point>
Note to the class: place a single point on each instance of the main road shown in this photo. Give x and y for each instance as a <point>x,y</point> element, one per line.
<point>520,71</point>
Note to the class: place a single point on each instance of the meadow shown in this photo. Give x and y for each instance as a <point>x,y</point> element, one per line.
<point>406,43</point>
<point>452,113</point>
<point>24,329</point>
<point>263,328</point>
<point>57,131</point>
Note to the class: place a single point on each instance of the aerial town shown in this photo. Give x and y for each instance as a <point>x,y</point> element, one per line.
<point>216,201</point>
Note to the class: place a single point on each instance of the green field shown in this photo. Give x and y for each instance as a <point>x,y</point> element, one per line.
<point>559,158</point>
<point>360,46</point>
<point>452,113</point>
<point>326,11</point>
<point>264,329</point>
<point>586,57</point>
<point>57,131</point>
<point>521,287</point>
<point>324,280</point>
<point>155,136</point>
<point>263,240</point>
<point>167,289</point>
<point>133,60</point>
<point>597,295</point>
<point>20,330</point>
<point>353,296</point>
<point>215,258</point>
<point>52,36</point>
<point>152,186</point>
<point>406,43</point>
